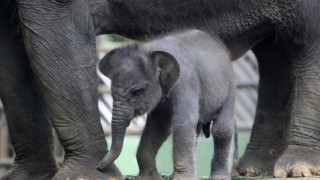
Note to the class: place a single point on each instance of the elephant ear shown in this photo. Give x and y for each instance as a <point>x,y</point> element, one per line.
<point>168,69</point>
<point>106,64</point>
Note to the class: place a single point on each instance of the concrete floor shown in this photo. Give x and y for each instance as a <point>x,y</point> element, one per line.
<point>301,178</point>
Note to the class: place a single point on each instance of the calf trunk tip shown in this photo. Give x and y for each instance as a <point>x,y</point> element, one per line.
<point>107,160</point>
<point>102,167</point>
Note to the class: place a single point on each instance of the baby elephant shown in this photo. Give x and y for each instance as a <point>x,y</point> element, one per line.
<point>184,82</point>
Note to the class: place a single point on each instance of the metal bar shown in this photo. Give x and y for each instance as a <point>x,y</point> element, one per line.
<point>6,162</point>
<point>4,141</point>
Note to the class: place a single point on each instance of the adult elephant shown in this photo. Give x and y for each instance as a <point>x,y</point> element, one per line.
<point>285,37</point>
<point>47,76</point>
<point>51,79</point>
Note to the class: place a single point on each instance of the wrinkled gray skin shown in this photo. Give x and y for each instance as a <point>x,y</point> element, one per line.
<point>184,82</point>
<point>49,78</point>
<point>55,69</point>
<point>285,37</point>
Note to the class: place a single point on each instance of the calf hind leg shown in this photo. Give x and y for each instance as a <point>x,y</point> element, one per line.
<point>222,131</point>
<point>184,123</point>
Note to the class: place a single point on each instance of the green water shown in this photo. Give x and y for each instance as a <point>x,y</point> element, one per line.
<point>127,162</point>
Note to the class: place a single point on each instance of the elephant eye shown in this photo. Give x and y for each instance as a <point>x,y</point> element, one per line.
<point>138,92</point>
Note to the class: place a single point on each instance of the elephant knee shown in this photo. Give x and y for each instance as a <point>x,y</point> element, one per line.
<point>224,131</point>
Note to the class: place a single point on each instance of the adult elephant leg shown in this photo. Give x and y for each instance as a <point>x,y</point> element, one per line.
<point>268,138</point>
<point>59,39</point>
<point>29,125</point>
<point>302,156</point>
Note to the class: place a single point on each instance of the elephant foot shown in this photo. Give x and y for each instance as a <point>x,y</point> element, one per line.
<point>220,173</point>
<point>298,161</point>
<point>177,176</point>
<point>224,176</point>
<point>80,172</point>
<point>259,160</point>
<point>30,171</point>
<point>151,175</point>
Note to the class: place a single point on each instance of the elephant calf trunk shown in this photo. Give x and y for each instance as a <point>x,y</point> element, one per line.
<point>118,132</point>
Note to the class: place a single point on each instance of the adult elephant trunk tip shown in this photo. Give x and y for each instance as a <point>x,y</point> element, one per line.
<point>118,133</point>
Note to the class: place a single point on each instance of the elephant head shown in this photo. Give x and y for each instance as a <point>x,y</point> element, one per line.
<point>139,80</point>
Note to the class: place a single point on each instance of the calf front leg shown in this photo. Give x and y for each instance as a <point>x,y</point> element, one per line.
<point>155,133</point>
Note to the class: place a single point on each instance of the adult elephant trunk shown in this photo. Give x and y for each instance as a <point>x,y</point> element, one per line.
<point>120,122</point>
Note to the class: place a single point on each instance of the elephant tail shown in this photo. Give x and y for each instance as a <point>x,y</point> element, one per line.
<point>206,129</point>
<point>236,145</point>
